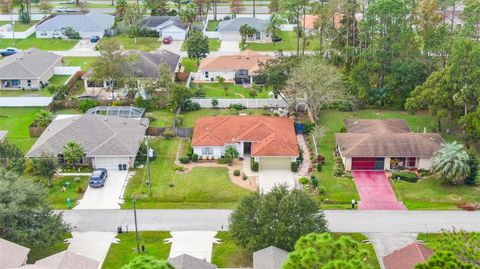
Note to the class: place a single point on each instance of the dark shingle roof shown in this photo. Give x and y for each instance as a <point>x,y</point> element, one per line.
<point>234,25</point>
<point>155,21</point>
<point>269,258</point>
<point>146,64</point>
<point>185,261</point>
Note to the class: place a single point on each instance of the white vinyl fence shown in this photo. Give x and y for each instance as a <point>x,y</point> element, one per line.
<point>20,35</point>
<point>25,101</point>
<point>34,17</point>
<point>248,103</point>
<point>66,71</point>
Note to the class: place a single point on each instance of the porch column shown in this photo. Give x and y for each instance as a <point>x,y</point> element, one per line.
<point>387,163</point>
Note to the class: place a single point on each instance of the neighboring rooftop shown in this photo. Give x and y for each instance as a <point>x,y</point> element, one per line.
<point>186,261</point>
<point>235,24</point>
<point>147,64</point>
<point>269,258</point>
<point>247,59</point>
<point>162,22</point>
<point>118,111</point>
<point>67,259</point>
<point>407,257</point>
<point>29,64</point>
<point>12,255</point>
<point>271,136</point>
<point>98,135</point>
<point>79,22</point>
<point>388,126</point>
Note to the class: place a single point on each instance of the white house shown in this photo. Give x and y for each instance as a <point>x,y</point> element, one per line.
<point>166,26</point>
<point>229,30</point>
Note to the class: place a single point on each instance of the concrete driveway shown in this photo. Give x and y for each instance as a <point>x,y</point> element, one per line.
<point>198,244</point>
<point>386,243</point>
<point>267,179</point>
<point>375,191</point>
<point>93,245</point>
<point>84,45</point>
<point>229,46</point>
<point>108,196</point>
<point>174,47</point>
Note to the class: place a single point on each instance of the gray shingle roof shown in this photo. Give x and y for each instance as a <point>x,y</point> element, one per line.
<point>93,21</point>
<point>185,261</point>
<point>12,255</point>
<point>98,135</point>
<point>68,259</point>
<point>29,64</point>
<point>376,126</point>
<point>269,258</point>
<point>155,21</point>
<point>146,63</point>
<point>234,25</point>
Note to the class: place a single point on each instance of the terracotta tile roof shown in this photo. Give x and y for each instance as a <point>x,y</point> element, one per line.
<point>271,136</point>
<point>309,21</point>
<point>247,59</point>
<point>407,257</point>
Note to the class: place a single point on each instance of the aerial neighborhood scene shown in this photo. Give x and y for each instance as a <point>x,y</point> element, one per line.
<point>255,134</point>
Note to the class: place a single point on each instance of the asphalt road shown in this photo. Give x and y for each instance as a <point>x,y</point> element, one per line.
<point>214,220</point>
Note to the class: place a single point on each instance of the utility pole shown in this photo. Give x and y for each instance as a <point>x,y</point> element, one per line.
<point>148,168</point>
<point>136,229</point>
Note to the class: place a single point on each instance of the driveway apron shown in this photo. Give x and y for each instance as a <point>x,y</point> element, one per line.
<point>375,191</point>
<point>198,244</point>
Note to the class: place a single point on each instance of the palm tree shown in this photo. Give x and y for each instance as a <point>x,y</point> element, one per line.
<point>224,85</point>
<point>188,15</point>
<point>273,26</point>
<point>72,151</point>
<point>43,119</point>
<point>231,153</point>
<point>451,163</point>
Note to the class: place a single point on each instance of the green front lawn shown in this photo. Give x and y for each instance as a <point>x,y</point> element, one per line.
<point>213,45</point>
<point>39,253</point>
<point>39,43</point>
<point>189,64</point>
<point>199,188</point>
<point>189,118</point>
<point>215,90</point>
<point>212,25</point>
<point>371,259</point>
<point>143,43</point>
<point>58,199</point>
<point>84,62</point>
<point>288,43</point>
<point>16,121</point>
<point>162,118</point>
<point>20,92</point>
<point>19,26</point>
<point>58,80</point>
<point>228,255</point>
<point>121,253</point>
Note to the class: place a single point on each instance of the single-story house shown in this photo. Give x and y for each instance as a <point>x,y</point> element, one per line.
<point>67,259</point>
<point>29,69</point>
<point>229,30</point>
<point>108,141</point>
<point>269,258</point>
<point>87,25</point>
<point>12,255</point>
<point>186,261</point>
<point>145,67</point>
<point>227,66</point>
<point>407,257</point>
<point>166,26</point>
<point>384,145</point>
<point>271,141</point>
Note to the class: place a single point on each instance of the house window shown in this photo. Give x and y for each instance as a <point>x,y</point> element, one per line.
<point>206,74</point>
<point>257,35</point>
<point>15,82</point>
<point>43,33</point>
<point>207,151</point>
<point>29,83</point>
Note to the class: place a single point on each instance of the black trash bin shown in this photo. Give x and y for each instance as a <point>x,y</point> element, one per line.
<point>119,230</point>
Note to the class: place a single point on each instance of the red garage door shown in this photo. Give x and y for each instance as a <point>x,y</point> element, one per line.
<point>364,163</point>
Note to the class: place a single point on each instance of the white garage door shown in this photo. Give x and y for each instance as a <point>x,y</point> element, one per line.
<point>89,34</point>
<point>175,35</point>
<point>272,163</point>
<point>230,36</point>
<point>113,163</point>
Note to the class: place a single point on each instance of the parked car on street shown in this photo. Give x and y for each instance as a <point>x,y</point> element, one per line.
<point>9,51</point>
<point>94,38</point>
<point>167,40</point>
<point>98,177</point>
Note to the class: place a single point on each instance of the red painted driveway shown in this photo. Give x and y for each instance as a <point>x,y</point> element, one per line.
<point>375,191</point>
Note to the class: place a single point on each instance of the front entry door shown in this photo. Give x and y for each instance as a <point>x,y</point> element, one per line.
<point>247,147</point>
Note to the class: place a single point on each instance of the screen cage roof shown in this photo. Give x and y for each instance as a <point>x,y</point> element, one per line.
<point>118,111</point>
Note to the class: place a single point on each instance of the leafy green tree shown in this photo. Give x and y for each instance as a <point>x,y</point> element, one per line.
<point>471,13</point>
<point>86,104</point>
<point>279,218</point>
<point>58,92</point>
<point>25,216</point>
<point>179,98</point>
<point>43,118</point>
<point>451,164</point>
<point>274,6</point>
<point>197,46</point>
<point>120,8</point>
<point>147,262</point>
<point>273,26</point>
<point>471,125</point>
<point>45,6</point>
<point>45,166</point>
<point>72,152</point>
<point>224,85</point>
<point>473,163</point>
<point>11,157</point>
<point>444,259</point>
<point>322,251</point>
<point>231,153</point>
<point>131,22</point>
<point>157,7</point>
<point>245,31</point>
<point>70,33</point>
<point>188,14</point>
<point>274,70</point>
<point>295,9</point>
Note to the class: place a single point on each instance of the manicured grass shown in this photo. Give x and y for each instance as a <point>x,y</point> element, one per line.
<point>20,92</point>
<point>212,25</point>
<point>16,121</point>
<point>189,118</point>
<point>19,26</point>
<point>77,89</point>
<point>163,118</point>
<point>39,43</point>
<point>189,64</point>
<point>228,255</point>
<point>143,43</point>
<point>288,43</point>
<point>371,259</point>
<point>199,188</point>
<point>431,195</point>
<point>84,62</point>
<point>39,253</point>
<point>213,45</point>
<point>58,80</point>
<point>121,253</point>
<point>234,91</point>
<point>58,199</point>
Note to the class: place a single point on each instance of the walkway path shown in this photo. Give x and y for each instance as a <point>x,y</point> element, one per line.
<point>375,191</point>
<point>307,162</point>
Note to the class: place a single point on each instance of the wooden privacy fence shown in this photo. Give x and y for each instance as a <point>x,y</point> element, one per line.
<point>176,131</point>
